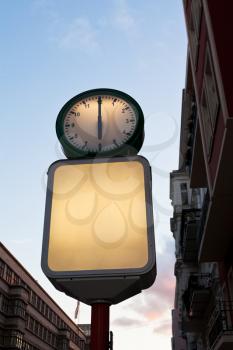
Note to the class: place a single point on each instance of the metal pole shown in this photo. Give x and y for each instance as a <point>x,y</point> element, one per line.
<point>100,326</point>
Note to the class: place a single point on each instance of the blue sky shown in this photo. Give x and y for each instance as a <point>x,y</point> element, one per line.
<point>52,50</point>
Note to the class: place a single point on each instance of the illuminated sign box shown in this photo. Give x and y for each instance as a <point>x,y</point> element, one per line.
<point>98,234</point>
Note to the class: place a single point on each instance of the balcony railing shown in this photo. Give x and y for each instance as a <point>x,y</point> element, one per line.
<point>189,234</point>
<point>197,295</point>
<point>191,136</point>
<point>204,210</point>
<point>220,324</point>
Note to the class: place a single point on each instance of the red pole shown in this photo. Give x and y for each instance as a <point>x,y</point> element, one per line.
<point>100,326</point>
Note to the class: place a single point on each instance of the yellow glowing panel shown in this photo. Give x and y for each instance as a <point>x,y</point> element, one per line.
<point>98,217</point>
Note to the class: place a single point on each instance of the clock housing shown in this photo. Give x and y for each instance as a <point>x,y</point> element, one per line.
<point>100,122</point>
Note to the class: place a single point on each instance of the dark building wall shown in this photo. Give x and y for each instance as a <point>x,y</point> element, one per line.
<point>209,28</point>
<point>221,20</point>
<point>206,157</point>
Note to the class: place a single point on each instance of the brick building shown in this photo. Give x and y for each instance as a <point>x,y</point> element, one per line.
<point>29,318</point>
<point>201,189</point>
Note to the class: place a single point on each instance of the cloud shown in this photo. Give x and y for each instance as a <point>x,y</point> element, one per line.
<point>163,328</point>
<point>126,20</point>
<point>123,18</point>
<point>81,35</point>
<point>153,306</point>
<point>128,322</point>
<point>155,303</point>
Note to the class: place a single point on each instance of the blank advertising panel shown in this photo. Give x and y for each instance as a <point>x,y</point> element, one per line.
<point>99,218</point>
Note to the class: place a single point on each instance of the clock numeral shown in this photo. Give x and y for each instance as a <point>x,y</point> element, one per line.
<point>127,121</point>
<point>124,109</point>
<point>115,99</point>
<point>86,104</point>
<point>85,145</point>
<point>74,113</point>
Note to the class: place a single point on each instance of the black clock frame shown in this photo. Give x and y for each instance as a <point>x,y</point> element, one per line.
<point>130,147</point>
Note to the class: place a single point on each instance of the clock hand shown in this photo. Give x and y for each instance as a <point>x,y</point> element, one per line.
<point>99,118</point>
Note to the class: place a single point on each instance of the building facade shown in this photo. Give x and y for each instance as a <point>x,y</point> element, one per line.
<point>29,318</point>
<point>201,189</point>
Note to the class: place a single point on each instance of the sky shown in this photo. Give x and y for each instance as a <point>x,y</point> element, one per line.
<point>52,50</point>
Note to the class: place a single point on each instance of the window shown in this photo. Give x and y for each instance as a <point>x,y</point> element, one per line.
<point>58,322</point>
<point>211,89</point>
<point>63,344</point>
<point>40,331</point>
<point>45,334</point>
<point>30,324</point>
<point>27,346</point>
<point>33,298</point>
<point>206,122</point>
<point>14,339</point>
<point>49,314</point>
<point>46,311</point>
<point>38,303</point>
<point>184,193</point>
<point>209,102</point>
<point>43,308</point>
<point>8,275</point>
<point>4,301</point>
<point>24,285</point>
<point>2,268</point>
<point>36,327</point>
<point>194,28</point>
<point>196,16</point>
<point>16,307</point>
<point>16,279</point>
<point>54,318</point>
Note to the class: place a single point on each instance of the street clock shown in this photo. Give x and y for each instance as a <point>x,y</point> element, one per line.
<point>100,122</point>
<point>98,243</point>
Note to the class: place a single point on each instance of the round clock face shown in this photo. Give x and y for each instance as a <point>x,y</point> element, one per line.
<point>100,121</point>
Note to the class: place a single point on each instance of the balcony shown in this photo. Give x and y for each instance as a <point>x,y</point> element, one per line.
<point>204,211</point>
<point>189,234</point>
<point>196,299</point>
<point>12,339</point>
<point>191,152</point>
<point>220,327</point>
<point>216,228</point>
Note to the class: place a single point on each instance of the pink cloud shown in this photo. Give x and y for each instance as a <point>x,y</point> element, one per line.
<point>155,303</point>
<point>152,315</point>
